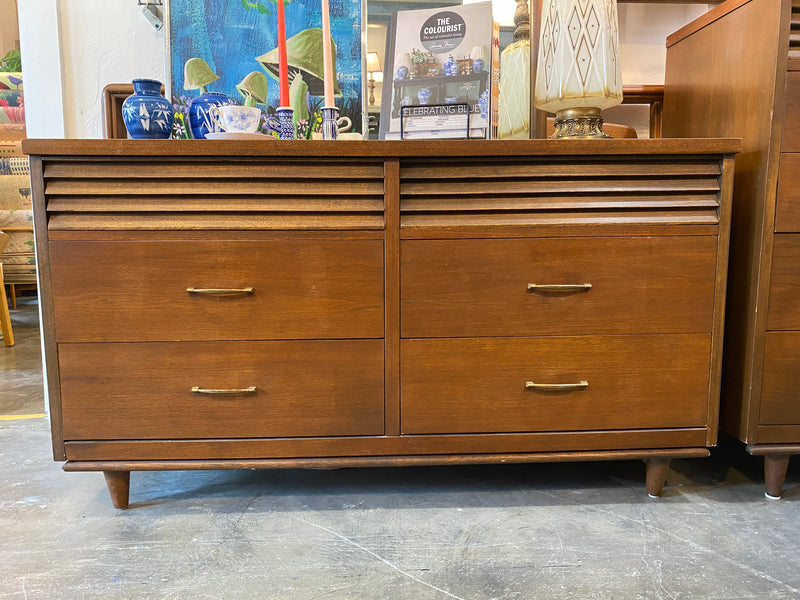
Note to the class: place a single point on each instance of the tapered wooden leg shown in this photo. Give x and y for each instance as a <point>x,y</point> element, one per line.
<point>5,318</point>
<point>118,484</point>
<point>775,466</point>
<point>656,475</point>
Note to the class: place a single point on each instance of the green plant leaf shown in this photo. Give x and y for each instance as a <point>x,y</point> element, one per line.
<point>11,62</point>
<point>262,9</point>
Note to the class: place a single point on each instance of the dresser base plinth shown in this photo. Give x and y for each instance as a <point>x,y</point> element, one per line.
<point>117,473</point>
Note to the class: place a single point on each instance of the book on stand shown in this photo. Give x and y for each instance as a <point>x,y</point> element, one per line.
<point>442,67</point>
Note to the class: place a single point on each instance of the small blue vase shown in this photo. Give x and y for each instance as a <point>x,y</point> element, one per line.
<point>477,65</point>
<point>402,72</point>
<point>200,122</point>
<point>448,66</point>
<point>146,113</point>
<point>424,96</point>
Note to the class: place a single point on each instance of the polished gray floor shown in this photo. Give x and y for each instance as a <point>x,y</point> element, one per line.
<point>579,531</point>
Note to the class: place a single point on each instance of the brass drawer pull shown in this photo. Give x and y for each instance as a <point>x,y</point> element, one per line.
<point>529,385</point>
<point>220,291</point>
<point>199,390</point>
<point>568,287</point>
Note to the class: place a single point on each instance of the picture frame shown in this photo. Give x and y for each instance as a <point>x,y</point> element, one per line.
<point>231,34</point>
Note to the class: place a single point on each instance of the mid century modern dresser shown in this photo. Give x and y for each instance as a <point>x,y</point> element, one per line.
<point>752,91</point>
<point>317,304</point>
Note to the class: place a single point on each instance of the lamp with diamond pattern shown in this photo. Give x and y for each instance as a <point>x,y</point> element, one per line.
<point>579,73</point>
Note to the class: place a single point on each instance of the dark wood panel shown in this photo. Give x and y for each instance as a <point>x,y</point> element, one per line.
<point>549,168</point>
<point>571,441</point>
<point>467,288</point>
<point>777,434</point>
<point>136,291</point>
<point>380,461</point>
<point>317,149</point>
<point>392,299</point>
<point>202,203</point>
<point>572,218</point>
<point>780,400</point>
<point>302,388</point>
<point>787,212</point>
<point>791,124</point>
<point>479,385</point>
<point>284,170</point>
<point>212,221</point>
<point>784,288</point>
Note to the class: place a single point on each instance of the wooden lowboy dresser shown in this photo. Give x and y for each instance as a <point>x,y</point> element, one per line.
<point>752,91</point>
<point>320,304</point>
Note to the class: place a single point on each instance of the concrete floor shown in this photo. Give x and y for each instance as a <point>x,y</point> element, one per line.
<point>554,531</point>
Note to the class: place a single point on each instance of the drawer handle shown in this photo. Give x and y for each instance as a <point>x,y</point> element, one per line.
<point>530,385</point>
<point>220,291</point>
<point>567,287</point>
<point>248,390</point>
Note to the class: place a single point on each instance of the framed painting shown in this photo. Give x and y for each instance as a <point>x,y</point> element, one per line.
<point>237,37</point>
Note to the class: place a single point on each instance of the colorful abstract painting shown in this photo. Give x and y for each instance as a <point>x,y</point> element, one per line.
<point>230,34</point>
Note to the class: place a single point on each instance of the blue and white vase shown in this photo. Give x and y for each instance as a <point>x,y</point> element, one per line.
<point>483,104</point>
<point>146,113</point>
<point>200,121</point>
<point>448,66</point>
<point>283,123</point>
<point>453,70</point>
<point>424,96</point>
<point>402,72</point>
<point>477,65</point>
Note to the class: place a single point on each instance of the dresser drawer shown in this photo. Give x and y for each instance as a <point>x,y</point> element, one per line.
<point>791,124</point>
<point>144,390</point>
<point>787,210</point>
<point>473,288</point>
<point>784,288</point>
<point>137,291</point>
<point>780,388</point>
<point>479,385</point>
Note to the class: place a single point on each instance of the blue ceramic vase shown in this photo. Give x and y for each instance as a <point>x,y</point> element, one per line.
<point>477,65</point>
<point>146,113</point>
<point>200,122</point>
<point>448,66</point>
<point>424,96</point>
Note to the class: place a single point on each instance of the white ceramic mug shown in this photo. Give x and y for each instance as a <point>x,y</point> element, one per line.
<point>233,118</point>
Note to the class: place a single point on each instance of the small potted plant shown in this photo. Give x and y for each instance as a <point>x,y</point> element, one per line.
<point>418,60</point>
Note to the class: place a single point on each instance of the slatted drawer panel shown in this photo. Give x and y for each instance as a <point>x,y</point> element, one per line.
<point>662,190</point>
<point>209,193</point>
<point>794,34</point>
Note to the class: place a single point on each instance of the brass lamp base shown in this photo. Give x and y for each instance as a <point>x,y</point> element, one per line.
<point>583,123</point>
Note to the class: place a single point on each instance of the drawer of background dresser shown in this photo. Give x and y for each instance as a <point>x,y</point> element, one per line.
<point>121,291</point>
<point>780,388</point>
<point>784,287</point>
<point>479,385</point>
<point>790,140</point>
<point>472,288</point>
<point>787,211</point>
<point>144,390</point>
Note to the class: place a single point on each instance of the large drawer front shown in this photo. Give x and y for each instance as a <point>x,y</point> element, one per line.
<point>137,291</point>
<point>784,289</point>
<point>473,288</point>
<point>479,385</point>
<point>787,211</point>
<point>144,391</point>
<point>780,388</point>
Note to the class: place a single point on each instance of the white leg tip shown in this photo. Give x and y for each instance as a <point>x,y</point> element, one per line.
<point>771,497</point>
<point>652,496</point>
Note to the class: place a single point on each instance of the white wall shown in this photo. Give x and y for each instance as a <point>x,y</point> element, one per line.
<point>78,47</point>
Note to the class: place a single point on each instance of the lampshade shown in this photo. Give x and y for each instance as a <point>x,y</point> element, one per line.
<point>373,64</point>
<point>579,72</point>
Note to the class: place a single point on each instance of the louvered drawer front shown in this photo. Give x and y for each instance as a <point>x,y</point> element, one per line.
<point>538,190</point>
<point>275,289</point>
<point>787,210</point>
<point>143,193</point>
<point>241,389</point>
<point>494,385</point>
<point>559,286</point>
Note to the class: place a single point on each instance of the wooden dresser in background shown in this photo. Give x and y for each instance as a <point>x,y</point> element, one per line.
<point>736,72</point>
<point>318,304</point>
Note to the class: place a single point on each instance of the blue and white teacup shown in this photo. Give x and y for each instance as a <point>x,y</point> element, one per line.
<point>233,118</point>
